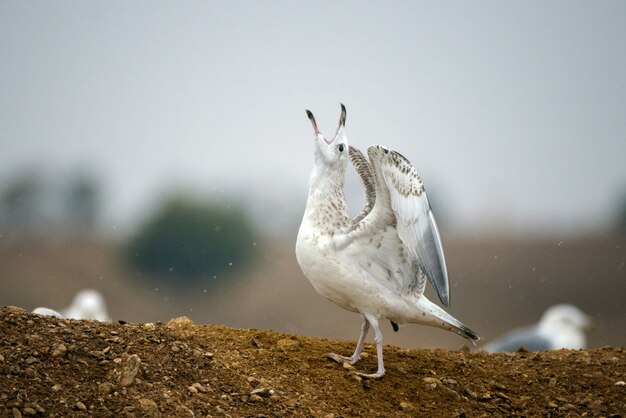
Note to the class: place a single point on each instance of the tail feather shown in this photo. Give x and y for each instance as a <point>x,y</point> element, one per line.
<point>447,321</point>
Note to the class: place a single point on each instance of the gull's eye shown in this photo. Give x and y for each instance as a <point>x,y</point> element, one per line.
<point>340,147</point>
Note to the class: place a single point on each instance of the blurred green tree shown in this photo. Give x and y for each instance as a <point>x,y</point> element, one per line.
<point>82,203</point>
<point>188,239</point>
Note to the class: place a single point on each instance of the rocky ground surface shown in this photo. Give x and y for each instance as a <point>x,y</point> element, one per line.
<point>57,367</point>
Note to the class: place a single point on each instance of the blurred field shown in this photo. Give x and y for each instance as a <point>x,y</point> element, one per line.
<point>496,284</point>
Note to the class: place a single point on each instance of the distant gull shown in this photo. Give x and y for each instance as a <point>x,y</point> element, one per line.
<point>87,304</point>
<point>376,264</point>
<point>561,326</point>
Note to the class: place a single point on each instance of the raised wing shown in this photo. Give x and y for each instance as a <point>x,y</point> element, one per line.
<point>363,169</point>
<point>415,221</point>
<point>379,256</point>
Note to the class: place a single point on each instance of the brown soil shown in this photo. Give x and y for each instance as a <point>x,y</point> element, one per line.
<point>53,367</point>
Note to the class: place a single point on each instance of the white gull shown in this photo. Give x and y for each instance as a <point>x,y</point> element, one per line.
<point>378,263</point>
<point>87,304</point>
<point>561,326</point>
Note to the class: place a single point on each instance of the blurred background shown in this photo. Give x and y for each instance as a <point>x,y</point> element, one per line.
<point>159,153</point>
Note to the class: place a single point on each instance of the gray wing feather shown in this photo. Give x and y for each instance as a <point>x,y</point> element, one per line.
<point>363,169</point>
<point>416,223</point>
<point>431,249</point>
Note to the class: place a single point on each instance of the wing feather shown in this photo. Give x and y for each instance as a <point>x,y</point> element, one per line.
<point>395,240</point>
<point>416,223</point>
<point>363,169</point>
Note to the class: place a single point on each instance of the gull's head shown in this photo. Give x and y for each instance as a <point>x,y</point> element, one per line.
<point>565,317</point>
<point>331,153</point>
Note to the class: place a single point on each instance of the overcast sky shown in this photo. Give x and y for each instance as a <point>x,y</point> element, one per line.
<point>513,112</point>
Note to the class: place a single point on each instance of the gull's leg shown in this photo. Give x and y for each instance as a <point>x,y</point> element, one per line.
<point>365,326</point>
<point>379,349</point>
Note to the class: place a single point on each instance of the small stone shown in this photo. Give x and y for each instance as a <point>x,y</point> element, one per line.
<point>620,383</point>
<point>130,368</point>
<point>431,380</point>
<point>57,387</point>
<point>254,382</point>
<point>485,397</point>
<point>1,357</point>
<point>497,385</point>
<point>59,350</point>
<point>331,415</point>
<point>192,389</point>
<point>31,360</point>
<point>451,393</point>
<point>199,387</point>
<point>29,411</point>
<point>181,321</point>
<point>183,411</point>
<point>552,404</point>
<point>81,406</point>
<point>105,388</point>
<point>406,406</point>
<point>148,408</point>
<point>149,326</point>
<point>287,344</point>
<point>256,398</point>
<point>16,413</point>
<point>260,392</point>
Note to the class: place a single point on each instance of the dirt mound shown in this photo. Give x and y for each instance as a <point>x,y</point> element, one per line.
<point>56,367</point>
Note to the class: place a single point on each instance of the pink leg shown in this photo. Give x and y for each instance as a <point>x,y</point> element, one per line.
<point>359,346</point>
<point>379,349</point>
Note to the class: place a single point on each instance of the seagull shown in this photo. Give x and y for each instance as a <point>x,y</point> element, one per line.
<point>87,304</point>
<point>561,326</point>
<point>376,264</point>
<point>47,312</point>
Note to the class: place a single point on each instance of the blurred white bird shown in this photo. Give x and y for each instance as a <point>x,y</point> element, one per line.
<point>376,264</point>
<point>47,312</point>
<point>561,326</point>
<point>87,304</point>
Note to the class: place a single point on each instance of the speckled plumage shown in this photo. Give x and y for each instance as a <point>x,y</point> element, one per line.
<point>376,264</point>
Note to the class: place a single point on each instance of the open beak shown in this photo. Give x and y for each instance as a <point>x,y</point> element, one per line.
<point>317,131</point>
<point>312,119</point>
<point>342,118</point>
<point>342,123</point>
